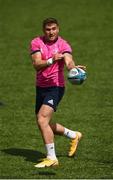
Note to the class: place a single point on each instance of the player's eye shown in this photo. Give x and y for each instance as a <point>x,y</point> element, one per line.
<point>47,29</point>
<point>54,28</point>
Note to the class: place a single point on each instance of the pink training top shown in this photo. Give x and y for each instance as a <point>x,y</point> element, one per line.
<point>52,75</point>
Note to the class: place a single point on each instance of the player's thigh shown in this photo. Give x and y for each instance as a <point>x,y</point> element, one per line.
<point>45,113</point>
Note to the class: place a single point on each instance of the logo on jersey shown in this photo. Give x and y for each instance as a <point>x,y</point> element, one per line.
<point>55,51</point>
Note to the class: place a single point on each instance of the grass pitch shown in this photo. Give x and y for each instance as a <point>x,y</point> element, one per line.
<point>87,25</point>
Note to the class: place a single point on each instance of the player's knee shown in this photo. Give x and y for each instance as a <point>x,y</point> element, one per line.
<point>41,116</point>
<point>42,120</point>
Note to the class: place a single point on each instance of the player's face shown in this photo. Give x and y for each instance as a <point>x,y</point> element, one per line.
<point>51,31</point>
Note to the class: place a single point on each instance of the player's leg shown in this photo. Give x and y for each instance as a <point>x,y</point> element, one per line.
<point>61,130</point>
<point>43,118</point>
<point>57,95</point>
<point>75,136</point>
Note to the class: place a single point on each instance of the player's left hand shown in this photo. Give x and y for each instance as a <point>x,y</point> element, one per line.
<point>81,66</point>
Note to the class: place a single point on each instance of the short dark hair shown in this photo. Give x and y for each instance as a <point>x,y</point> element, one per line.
<point>49,21</point>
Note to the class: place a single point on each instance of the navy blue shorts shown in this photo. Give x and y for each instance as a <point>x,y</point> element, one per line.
<point>50,96</point>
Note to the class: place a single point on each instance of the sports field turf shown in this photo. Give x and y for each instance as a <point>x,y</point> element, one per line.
<point>88,26</point>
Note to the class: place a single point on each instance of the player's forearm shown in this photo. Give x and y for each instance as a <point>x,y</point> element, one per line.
<point>40,64</point>
<point>70,65</point>
<point>69,62</point>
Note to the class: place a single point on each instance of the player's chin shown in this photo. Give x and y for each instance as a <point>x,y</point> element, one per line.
<point>52,38</point>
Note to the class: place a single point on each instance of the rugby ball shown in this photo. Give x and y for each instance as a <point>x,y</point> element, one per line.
<point>76,76</point>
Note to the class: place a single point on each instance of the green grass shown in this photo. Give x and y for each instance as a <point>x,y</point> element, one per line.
<point>87,25</point>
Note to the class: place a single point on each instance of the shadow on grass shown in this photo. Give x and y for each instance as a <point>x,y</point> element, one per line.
<point>29,155</point>
<point>1,103</point>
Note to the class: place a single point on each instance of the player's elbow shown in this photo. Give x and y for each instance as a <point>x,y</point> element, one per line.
<point>36,66</point>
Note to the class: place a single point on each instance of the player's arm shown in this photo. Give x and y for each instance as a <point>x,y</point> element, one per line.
<point>38,63</point>
<point>69,62</point>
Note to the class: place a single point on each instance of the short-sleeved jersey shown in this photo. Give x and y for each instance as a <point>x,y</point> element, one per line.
<point>52,75</point>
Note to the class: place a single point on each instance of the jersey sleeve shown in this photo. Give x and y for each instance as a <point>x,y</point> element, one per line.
<point>34,46</point>
<point>66,48</point>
